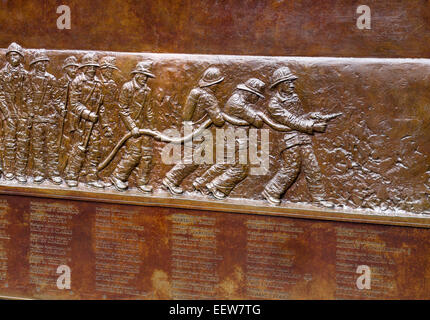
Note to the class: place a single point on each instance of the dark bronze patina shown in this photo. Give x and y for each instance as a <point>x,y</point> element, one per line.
<point>84,183</point>
<point>328,127</point>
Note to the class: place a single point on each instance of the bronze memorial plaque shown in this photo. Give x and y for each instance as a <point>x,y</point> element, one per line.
<point>250,168</point>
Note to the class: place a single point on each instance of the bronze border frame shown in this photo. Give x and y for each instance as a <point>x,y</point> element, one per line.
<point>164,199</point>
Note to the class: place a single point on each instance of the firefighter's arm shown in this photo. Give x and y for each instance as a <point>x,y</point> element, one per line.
<point>55,97</point>
<point>3,105</point>
<point>148,107</point>
<point>28,102</point>
<point>125,98</point>
<point>190,106</point>
<point>77,106</point>
<point>283,116</point>
<point>105,122</point>
<point>249,114</point>
<point>150,114</point>
<point>214,112</point>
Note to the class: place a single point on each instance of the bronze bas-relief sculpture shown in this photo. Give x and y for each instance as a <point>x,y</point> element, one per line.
<point>102,123</point>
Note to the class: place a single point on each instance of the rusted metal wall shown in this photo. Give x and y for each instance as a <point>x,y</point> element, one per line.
<point>248,27</point>
<point>374,157</point>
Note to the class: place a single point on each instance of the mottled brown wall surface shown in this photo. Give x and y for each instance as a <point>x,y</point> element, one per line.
<point>376,156</point>
<point>400,28</point>
<point>135,252</point>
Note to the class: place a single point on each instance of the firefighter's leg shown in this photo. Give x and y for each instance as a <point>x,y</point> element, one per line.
<point>145,165</point>
<point>200,183</point>
<point>93,156</point>
<point>10,148</point>
<point>52,150</point>
<point>214,171</point>
<point>38,142</point>
<point>222,185</point>
<point>130,159</point>
<point>74,165</point>
<point>228,180</point>
<point>3,123</point>
<point>65,149</point>
<point>313,176</point>
<point>286,175</point>
<point>179,172</point>
<point>23,144</point>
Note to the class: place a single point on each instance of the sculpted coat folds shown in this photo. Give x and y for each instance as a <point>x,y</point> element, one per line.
<point>14,107</point>
<point>201,104</point>
<point>136,112</point>
<point>65,131</point>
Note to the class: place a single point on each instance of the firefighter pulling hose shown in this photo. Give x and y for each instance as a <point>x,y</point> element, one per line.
<point>159,136</point>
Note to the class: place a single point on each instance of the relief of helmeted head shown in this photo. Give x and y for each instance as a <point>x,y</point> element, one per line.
<point>108,66</point>
<point>210,78</point>
<point>70,66</point>
<point>283,80</point>
<point>89,65</point>
<point>14,54</point>
<point>252,89</point>
<point>142,72</point>
<point>39,61</point>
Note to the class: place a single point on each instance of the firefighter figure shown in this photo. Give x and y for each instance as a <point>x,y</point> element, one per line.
<point>41,91</point>
<point>15,111</point>
<point>86,102</point>
<point>201,104</point>
<point>240,105</point>
<point>285,107</point>
<point>68,121</point>
<point>110,92</point>
<point>136,113</point>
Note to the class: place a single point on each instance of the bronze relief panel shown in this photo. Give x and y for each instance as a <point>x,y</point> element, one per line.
<point>337,133</point>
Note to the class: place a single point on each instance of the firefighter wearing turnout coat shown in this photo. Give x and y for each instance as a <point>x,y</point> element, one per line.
<point>110,90</point>
<point>86,102</point>
<point>242,106</point>
<point>41,88</point>
<point>68,122</point>
<point>16,114</point>
<point>136,113</point>
<point>297,154</point>
<point>201,104</point>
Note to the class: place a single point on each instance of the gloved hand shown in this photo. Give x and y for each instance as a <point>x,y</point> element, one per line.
<point>319,126</point>
<point>258,122</point>
<point>108,132</point>
<point>135,132</point>
<point>93,117</point>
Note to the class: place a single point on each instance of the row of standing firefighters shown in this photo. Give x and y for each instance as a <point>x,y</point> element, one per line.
<point>66,119</point>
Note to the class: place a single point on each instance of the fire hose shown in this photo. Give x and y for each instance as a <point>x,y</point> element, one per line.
<point>159,136</point>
